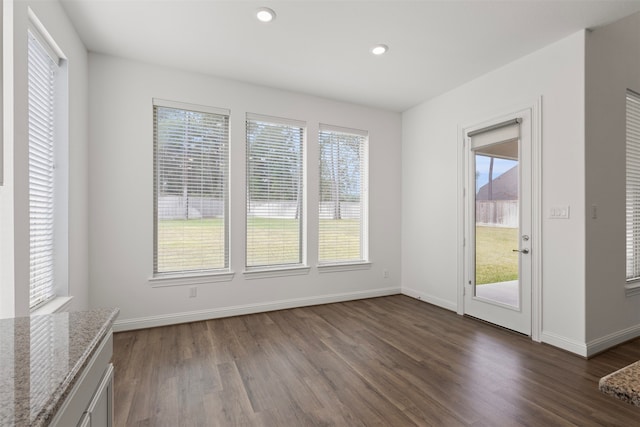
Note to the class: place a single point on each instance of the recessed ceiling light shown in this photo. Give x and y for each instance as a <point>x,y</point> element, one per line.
<point>380,49</point>
<point>264,14</point>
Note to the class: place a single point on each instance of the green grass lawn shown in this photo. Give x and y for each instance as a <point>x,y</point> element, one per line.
<point>495,259</point>
<point>193,244</point>
<point>205,239</point>
<point>283,236</point>
<point>343,232</point>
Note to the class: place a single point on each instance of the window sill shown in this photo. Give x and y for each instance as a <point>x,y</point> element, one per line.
<point>632,289</point>
<point>56,305</point>
<point>165,280</point>
<point>265,273</point>
<point>330,268</point>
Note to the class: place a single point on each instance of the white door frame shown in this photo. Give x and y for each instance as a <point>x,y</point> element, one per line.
<point>536,206</point>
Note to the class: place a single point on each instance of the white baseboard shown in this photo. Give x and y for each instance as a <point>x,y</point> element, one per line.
<point>604,343</point>
<point>564,343</point>
<point>593,347</point>
<point>238,310</point>
<point>429,298</point>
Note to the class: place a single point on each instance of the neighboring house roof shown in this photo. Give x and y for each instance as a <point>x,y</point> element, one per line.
<point>505,187</point>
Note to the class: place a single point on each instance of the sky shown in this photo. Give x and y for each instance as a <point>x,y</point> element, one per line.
<point>500,166</point>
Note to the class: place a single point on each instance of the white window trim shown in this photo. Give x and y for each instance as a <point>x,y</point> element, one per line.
<point>364,202</point>
<point>160,279</point>
<point>168,280</point>
<point>191,107</point>
<point>61,296</point>
<point>276,120</point>
<point>56,305</point>
<point>341,129</point>
<point>41,33</point>
<point>280,270</point>
<point>632,286</point>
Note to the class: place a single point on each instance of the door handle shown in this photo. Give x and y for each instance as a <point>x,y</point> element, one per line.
<point>524,251</point>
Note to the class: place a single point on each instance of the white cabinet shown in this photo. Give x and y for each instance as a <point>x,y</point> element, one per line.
<point>85,421</point>
<point>100,409</point>
<point>90,402</point>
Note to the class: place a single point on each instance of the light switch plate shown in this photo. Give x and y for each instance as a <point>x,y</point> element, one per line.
<point>559,212</point>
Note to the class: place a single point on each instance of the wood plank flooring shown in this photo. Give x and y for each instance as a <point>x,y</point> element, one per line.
<point>390,361</point>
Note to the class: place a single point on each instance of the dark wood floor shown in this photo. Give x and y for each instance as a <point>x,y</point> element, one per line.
<point>390,361</point>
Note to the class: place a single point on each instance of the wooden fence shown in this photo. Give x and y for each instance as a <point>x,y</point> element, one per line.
<point>178,207</point>
<point>497,213</point>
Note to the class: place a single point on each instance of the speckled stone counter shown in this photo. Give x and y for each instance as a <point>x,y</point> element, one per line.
<point>623,384</point>
<point>41,358</point>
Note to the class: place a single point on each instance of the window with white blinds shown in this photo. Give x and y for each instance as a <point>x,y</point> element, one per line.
<point>343,195</point>
<point>191,168</point>
<point>43,70</point>
<point>633,185</point>
<point>275,191</point>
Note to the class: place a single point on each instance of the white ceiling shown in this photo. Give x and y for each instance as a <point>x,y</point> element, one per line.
<point>323,47</point>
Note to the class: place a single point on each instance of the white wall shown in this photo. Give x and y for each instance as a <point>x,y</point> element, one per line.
<point>7,289</point>
<point>121,198</point>
<point>431,170</point>
<point>612,67</point>
<point>14,214</point>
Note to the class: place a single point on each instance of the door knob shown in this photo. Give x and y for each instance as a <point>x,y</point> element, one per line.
<point>524,251</point>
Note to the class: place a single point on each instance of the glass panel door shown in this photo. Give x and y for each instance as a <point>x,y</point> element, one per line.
<point>497,234</point>
<point>498,223</point>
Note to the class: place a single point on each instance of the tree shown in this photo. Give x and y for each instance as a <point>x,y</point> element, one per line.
<point>340,174</point>
<point>190,154</point>
<point>274,161</point>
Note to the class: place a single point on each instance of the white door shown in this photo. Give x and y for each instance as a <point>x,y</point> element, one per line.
<point>498,223</point>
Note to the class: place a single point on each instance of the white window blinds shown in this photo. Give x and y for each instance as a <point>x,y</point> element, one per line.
<point>191,157</point>
<point>42,73</point>
<point>343,195</point>
<point>633,185</point>
<point>275,191</point>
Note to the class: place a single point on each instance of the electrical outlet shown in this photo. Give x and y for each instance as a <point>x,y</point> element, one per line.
<point>193,291</point>
<point>385,274</point>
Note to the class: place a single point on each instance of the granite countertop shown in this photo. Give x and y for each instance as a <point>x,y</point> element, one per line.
<point>41,358</point>
<point>623,384</point>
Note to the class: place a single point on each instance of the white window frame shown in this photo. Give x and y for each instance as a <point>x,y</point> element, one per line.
<point>278,269</point>
<point>336,264</point>
<point>57,295</point>
<point>632,193</point>
<point>192,276</point>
